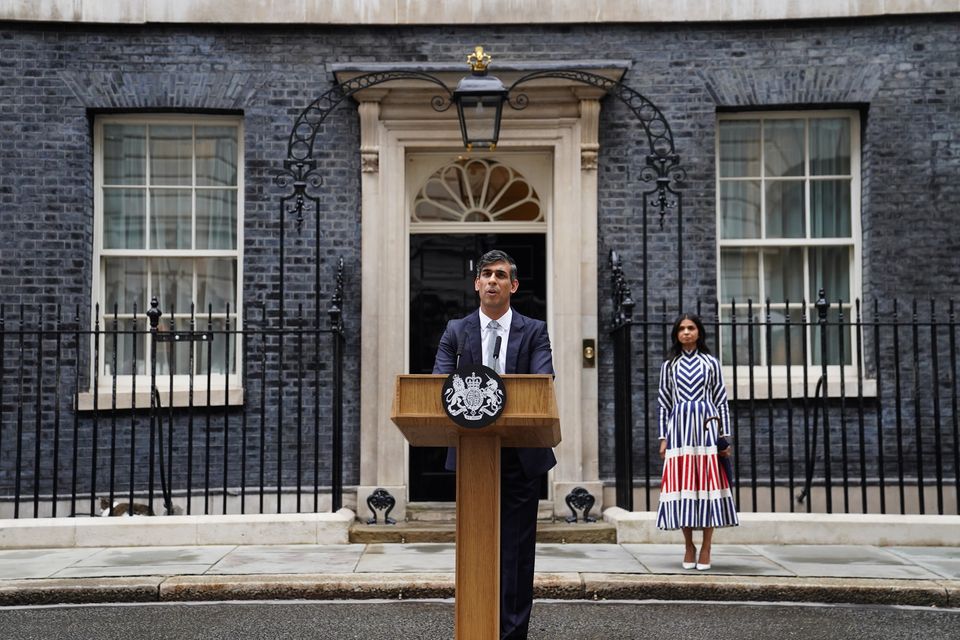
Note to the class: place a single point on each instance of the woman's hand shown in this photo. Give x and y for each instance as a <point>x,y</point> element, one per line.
<point>726,453</point>
<point>663,449</point>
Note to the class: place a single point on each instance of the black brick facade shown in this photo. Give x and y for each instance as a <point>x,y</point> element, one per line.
<point>901,73</point>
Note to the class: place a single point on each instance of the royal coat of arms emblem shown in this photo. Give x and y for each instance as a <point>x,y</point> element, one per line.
<point>474,396</point>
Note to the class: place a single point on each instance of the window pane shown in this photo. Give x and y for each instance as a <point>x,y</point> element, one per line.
<point>784,209</point>
<point>171,151</point>
<point>830,208</point>
<point>175,355</point>
<point>216,352</point>
<point>124,154</point>
<point>783,148</point>
<point>171,282</point>
<point>837,337</point>
<point>830,146</point>
<point>216,219</point>
<point>740,275</point>
<point>124,218</point>
<point>170,219</point>
<point>744,354</point>
<point>783,274</point>
<point>779,330</point>
<point>124,284</point>
<point>739,148</point>
<point>121,344</point>
<point>740,209</point>
<point>217,156</point>
<point>216,284</point>
<point>830,270</point>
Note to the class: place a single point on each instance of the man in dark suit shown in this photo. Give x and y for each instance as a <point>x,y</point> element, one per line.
<point>525,348</point>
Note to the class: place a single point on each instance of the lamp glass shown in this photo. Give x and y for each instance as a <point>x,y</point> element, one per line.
<point>480,119</point>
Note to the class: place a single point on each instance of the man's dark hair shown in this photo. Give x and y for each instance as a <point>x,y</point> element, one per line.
<point>497,256</point>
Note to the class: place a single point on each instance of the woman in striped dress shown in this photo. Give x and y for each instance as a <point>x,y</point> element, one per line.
<point>694,492</point>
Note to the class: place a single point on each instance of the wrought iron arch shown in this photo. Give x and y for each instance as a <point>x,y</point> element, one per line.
<point>300,169</point>
<point>662,166</point>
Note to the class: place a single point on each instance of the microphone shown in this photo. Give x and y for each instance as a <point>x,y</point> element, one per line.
<point>496,352</point>
<point>460,343</point>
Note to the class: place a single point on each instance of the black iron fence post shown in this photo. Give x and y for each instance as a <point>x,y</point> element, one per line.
<point>3,368</point>
<point>788,341</point>
<point>935,345</point>
<point>153,315</point>
<point>336,327</point>
<point>751,382</point>
<point>917,431</point>
<point>898,406</point>
<point>76,413</point>
<point>736,391</point>
<point>38,416</point>
<point>955,405</point>
<point>226,407</point>
<point>822,307</point>
<point>298,334</point>
<point>621,328</point>
<point>861,424</point>
<point>879,411</point>
<point>133,406</point>
<point>20,403</point>
<point>56,413</point>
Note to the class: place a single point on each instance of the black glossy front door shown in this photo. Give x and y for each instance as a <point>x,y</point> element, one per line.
<point>442,271</point>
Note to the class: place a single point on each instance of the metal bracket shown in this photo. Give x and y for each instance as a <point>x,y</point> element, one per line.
<point>185,336</point>
<point>377,501</point>
<point>580,499</point>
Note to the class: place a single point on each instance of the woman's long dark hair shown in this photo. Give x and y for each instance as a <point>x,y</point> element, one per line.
<point>675,348</point>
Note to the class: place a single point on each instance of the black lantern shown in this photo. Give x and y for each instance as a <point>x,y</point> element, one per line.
<point>480,99</point>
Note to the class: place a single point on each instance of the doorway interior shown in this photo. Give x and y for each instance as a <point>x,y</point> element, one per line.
<point>442,273</point>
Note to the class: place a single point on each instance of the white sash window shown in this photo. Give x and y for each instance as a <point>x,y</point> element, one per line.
<point>788,221</point>
<point>168,223</point>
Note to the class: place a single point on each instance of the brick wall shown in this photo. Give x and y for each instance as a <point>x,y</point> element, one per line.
<point>902,73</point>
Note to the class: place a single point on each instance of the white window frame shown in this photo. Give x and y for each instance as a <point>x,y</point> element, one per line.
<point>778,373</point>
<point>181,382</point>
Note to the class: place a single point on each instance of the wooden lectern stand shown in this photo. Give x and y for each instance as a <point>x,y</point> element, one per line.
<point>529,419</point>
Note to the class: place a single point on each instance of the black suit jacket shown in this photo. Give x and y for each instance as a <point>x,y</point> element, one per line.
<point>528,351</point>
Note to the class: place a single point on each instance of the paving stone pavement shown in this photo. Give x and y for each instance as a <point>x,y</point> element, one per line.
<point>906,575</point>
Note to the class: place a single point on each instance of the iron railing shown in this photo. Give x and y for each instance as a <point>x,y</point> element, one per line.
<point>834,406</point>
<point>230,418</point>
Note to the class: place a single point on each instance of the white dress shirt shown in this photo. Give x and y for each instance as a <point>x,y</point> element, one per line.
<point>504,331</point>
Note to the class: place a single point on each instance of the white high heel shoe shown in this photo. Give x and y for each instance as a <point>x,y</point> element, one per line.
<point>701,567</point>
<point>688,565</point>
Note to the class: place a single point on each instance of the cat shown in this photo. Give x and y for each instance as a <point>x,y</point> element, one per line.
<point>123,509</point>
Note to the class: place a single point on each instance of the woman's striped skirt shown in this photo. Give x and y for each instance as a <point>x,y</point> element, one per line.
<point>694,490</point>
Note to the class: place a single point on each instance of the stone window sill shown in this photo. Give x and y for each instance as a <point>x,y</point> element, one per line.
<point>126,399</point>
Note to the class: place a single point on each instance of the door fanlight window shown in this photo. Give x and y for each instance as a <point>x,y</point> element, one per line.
<point>477,190</point>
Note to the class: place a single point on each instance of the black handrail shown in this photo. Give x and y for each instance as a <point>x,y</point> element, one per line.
<point>812,449</point>
<point>164,487</point>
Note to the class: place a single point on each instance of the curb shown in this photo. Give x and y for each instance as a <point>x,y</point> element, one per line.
<point>346,586</point>
<point>78,590</point>
<point>924,593</point>
<point>556,586</point>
